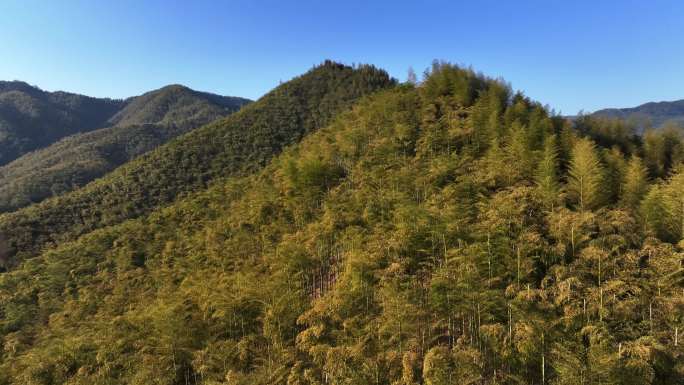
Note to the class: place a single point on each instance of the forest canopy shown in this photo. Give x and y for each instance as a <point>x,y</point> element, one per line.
<point>447,231</point>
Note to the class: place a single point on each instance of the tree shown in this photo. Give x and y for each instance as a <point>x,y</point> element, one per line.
<point>654,212</point>
<point>674,203</point>
<point>546,176</point>
<point>614,171</point>
<point>663,208</point>
<point>634,183</point>
<point>585,175</point>
<point>519,153</point>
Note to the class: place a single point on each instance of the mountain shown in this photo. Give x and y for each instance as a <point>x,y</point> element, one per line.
<point>238,144</point>
<point>144,123</point>
<point>31,118</point>
<point>176,104</point>
<point>654,114</point>
<point>440,233</point>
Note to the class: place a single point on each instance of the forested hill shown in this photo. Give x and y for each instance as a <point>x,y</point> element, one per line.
<point>654,114</point>
<point>176,104</point>
<point>242,142</point>
<point>31,118</point>
<point>449,232</point>
<point>144,123</point>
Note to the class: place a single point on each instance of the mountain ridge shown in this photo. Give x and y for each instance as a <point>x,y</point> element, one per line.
<point>31,118</point>
<point>155,106</point>
<point>650,114</point>
<point>144,123</point>
<point>240,143</point>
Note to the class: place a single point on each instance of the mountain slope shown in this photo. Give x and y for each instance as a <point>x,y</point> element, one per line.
<point>240,143</point>
<point>421,238</point>
<point>31,118</point>
<point>176,104</point>
<point>654,114</point>
<point>146,122</point>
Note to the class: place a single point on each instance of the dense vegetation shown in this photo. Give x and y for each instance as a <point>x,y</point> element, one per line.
<point>447,232</point>
<point>242,142</point>
<point>31,118</point>
<point>176,105</point>
<point>145,123</point>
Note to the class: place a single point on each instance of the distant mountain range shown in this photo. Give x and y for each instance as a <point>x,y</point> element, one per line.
<point>654,114</point>
<point>54,142</point>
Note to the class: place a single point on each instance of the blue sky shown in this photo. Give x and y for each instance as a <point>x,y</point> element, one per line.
<point>570,55</point>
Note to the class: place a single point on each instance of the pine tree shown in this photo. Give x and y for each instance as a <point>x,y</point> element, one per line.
<point>635,183</point>
<point>585,175</point>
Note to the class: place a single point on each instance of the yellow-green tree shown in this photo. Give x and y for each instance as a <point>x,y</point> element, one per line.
<point>585,175</point>
<point>634,183</point>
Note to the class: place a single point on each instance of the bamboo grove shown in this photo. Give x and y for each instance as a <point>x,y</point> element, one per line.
<point>447,231</point>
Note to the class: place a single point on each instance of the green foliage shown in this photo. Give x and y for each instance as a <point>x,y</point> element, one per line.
<point>634,183</point>
<point>663,150</point>
<point>31,118</point>
<point>240,143</point>
<point>176,105</point>
<point>145,123</point>
<point>664,208</point>
<point>585,175</point>
<point>378,250</point>
<point>546,177</point>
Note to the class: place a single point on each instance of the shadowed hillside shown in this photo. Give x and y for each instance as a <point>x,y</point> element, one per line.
<point>145,122</point>
<point>31,118</point>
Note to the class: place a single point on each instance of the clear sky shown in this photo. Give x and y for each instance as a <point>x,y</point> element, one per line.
<point>570,55</point>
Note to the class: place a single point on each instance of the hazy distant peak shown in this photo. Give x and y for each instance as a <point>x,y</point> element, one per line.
<point>649,114</point>
<point>173,102</point>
